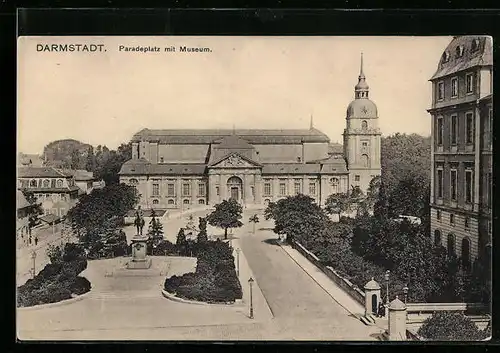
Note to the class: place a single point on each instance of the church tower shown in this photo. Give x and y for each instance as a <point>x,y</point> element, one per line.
<point>362,136</point>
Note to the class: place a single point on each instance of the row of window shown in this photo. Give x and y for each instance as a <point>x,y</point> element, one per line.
<point>469,87</point>
<point>42,183</point>
<point>469,129</point>
<point>460,49</point>
<point>60,212</point>
<point>185,202</point>
<point>468,183</point>
<point>451,247</point>
<point>54,197</point>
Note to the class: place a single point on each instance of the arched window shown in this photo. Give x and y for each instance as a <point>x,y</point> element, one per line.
<point>475,45</point>
<point>156,202</point>
<point>171,202</point>
<point>437,237</point>
<point>46,183</point>
<point>186,202</point>
<point>365,161</point>
<point>364,125</point>
<point>459,51</point>
<point>335,184</point>
<point>466,253</point>
<point>33,183</point>
<point>133,182</point>
<point>59,183</point>
<point>201,201</point>
<point>446,56</point>
<point>451,244</point>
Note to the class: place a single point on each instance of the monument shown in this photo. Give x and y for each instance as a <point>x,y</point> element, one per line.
<point>140,259</point>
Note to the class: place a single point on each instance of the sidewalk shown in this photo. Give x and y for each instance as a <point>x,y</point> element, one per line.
<point>262,312</point>
<point>337,293</point>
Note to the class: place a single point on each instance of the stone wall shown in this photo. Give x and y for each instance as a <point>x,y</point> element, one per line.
<point>351,289</point>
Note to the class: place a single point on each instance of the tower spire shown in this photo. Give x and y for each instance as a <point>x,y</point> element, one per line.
<point>361,89</point>
<point>311,125</point>
<point>361,74</point>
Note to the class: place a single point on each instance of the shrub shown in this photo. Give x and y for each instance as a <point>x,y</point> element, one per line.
<point>164,248</point>
<point>73,252</point>
<point>80,285</point>
<point>451,326</point>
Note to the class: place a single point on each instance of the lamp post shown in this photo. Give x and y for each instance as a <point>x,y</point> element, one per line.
<point>250,282</point>
<point>387,274</point>
<point>33,257</point>
<point>405,291</point>
<point>238,262</point>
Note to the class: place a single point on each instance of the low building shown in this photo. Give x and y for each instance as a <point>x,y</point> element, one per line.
<point>83,179</point>
<point>24,210</point>
<point>53,188</point>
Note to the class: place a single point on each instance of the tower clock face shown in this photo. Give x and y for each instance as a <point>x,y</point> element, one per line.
<point>364,110</point>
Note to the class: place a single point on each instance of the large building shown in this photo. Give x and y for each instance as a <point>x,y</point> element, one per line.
<point>462,132</point>
<point>178,169</point>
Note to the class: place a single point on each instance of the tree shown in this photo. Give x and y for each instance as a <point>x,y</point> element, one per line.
<point>181,242</point>
<point>298,217</point>
<point>450,326</point>
<point>227,214</point>
<point>155,231</point>
<point>254,219</point>
<point>337,204</point>
<point>91,162</point>
<point>190,226</point>
<point>202,235</point>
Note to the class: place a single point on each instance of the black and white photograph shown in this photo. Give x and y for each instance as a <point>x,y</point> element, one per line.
<point>254,188</point>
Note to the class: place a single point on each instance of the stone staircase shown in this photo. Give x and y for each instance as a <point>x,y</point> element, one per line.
<point>369,320</point>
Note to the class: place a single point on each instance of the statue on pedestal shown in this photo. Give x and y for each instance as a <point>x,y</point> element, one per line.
<point>139,220</point>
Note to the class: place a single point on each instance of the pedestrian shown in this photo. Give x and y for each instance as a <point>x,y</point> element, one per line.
<point>29,240</point>
<point>381,310</point>
<point>36,240</point>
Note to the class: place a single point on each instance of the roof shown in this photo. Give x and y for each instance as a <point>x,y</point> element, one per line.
<point>21,201</point>
<point>233,142</point>
<point>252,136</point>
<point>80,174</point>
<point>483,56</point>
<point>143,167</point>
<point>372,285</point>
<point>49,218</point>
<point>362,108</point>
<point>41,172</point>
<point>51,190</point>
<point>397,304</point>
<point>218,160</point>
<point>489,97</point>
<point>335,148</point>
<point>291,168</point>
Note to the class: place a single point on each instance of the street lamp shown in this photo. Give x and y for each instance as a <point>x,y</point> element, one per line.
<point>387,274</point>
<point>405,291</point>
<point>250,282</point>
<point>238,262</point>
<point>33,257</point>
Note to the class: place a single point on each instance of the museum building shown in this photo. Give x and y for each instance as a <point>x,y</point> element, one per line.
<point>179,169</point>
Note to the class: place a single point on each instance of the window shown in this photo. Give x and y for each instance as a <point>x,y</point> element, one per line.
<point>252,189</point>
<point>312,188</point>
<point>53,183</point>
<point>451,245</point>
<point>170,189</point>
<point>46,183</point>
<point>299,159</point>
<point>466,222</point>
<point>453,184</point>
<point>201,189</point>
<point>438,215</point>
<point>454,87</point>
<point>357,178</point>
<point>63,197</point>
<point>186,190</point>
<point>475,45</point>
<point>439,132</point>
<point>24,184</point>
<point>364,125</point>
<point>452,218</point>
<point>446,57</point>
<point>364,144</point>
<point>156,190</point>
<point>133,182</point>
<point>440,91</point>
<point>469,128</point>
<point>161,160</point>
<point>171,202</point>
<point>282,189</point>
<point>156,202</point>
<point>437,237</point>
<point>469,83</point>
<point>466,253</point>
<point>439,183</point>
<point>365,161</point>
<point>454,129</point>
<point>469,185</point>
<point>217,191</point>
<point>267,189</point>
<point>297,187</point>
<point>201,202</point>
<point>186,202</point>
<point>459,51</point>
<point>59,183</point>
<point>33,183</point>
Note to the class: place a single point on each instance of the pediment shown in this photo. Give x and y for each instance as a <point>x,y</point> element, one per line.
<point>235,160</point>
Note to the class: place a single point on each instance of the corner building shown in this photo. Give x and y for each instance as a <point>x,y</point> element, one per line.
<point>462,132</point>
<point>180,169</point>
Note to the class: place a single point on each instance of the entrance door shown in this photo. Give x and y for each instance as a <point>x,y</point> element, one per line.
<point>235,193</point>
<point>374,304</point>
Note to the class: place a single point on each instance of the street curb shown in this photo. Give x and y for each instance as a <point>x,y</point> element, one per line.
<point>172,297</point>
<point>319,284</point>
<point>52,305</point>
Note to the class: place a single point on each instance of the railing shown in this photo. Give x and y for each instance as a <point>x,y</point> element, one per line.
<point>432,307</point>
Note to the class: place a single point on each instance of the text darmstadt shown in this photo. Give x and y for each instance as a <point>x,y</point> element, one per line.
<point>70,47</point>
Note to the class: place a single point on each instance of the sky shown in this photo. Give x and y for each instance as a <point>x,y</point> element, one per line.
<point>103,98</point>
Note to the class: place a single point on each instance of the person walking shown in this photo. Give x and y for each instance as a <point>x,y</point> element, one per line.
<point>381,310</point>
<point>29,240</point>
<point>36,240</point>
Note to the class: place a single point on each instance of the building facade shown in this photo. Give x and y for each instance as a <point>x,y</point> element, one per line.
<point>462,131</point>
<point>179,169</point>
<point>53,188</point>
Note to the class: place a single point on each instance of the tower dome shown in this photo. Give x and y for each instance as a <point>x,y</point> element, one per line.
<point>361,106</point>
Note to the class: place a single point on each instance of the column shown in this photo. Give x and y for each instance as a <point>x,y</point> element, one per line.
<point>194,192</point>
<point>291,186</point>
<point>323,191</point>
<point>178,193</point>
<point>247,185</point>
<point>397,320</point>
<point>212,192</point>
<point>275,191</point>
<point>259,185</point>
<point>305,185</point>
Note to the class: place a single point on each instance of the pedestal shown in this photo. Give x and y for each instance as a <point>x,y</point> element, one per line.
<point>139,254</point>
